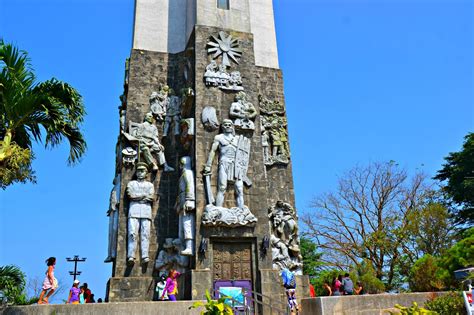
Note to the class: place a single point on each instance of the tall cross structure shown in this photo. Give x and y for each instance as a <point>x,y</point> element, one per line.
<point>204,179</point>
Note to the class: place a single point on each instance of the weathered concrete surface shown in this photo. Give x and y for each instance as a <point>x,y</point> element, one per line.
<point>142,308</point>
<point>369,304</point>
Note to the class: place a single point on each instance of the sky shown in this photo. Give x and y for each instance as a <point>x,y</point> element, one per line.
<point>365,80</point>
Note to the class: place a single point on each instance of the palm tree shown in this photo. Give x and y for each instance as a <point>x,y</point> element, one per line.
<point>29,110</point>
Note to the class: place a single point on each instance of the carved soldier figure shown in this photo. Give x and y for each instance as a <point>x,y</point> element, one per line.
<point>146,134</point>
<point>243,112</point>
<point>234,153</point>
<point>169,258</point>
<point>112,213</point>
<point>173,114</point>
<point>185,206</point>
<point>266,145</point>
<point>140,192</point>
<point>159,103</point>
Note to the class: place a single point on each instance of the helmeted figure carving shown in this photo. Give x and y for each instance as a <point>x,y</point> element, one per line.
<point>284,238</point>
<point>169,257</point>
<point>185,206</point>
<point>243,112</point>
<point>140,192</point>
<point>112,213</point>
<point>234,154</point>
<point>146,135</point>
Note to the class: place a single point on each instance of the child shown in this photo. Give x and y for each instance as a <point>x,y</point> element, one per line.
<point>73,297</point>
<point>171,286</point>
<point>160,288</point>
<point>50,283</point>
<point>289,282</point>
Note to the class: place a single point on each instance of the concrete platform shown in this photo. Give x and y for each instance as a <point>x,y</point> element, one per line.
<point>142,308</point>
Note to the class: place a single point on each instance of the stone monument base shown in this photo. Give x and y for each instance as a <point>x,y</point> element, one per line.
<point>130,289</point>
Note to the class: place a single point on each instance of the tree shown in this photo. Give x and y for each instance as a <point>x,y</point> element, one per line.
<point>458,172</point>
<point>368,217</point>
<point>423,275</point>
<point>12,283</point>
<point>28,110</point>
<point>459,256</point>
<point>311,258</point>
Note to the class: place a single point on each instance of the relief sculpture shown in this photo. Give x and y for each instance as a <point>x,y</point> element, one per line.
<point>284,239</point>
<point>274,132</point>
<point>234,154</point>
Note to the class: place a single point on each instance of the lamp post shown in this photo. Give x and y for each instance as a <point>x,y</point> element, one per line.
<point>76,259</point>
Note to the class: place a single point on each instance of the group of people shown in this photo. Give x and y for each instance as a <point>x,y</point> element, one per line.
<point>343,285</point>
<point>77,295</point>
<point>80,294</point>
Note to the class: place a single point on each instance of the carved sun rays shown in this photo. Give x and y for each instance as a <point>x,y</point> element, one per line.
<point>226,46</point>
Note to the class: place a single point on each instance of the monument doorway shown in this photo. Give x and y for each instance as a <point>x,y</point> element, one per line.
<point>232,265</point>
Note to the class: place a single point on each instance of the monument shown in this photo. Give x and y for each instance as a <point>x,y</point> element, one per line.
<point>203,179</point>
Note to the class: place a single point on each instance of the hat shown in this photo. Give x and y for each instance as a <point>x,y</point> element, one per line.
<point>141,165</point>
<point>168,243</point>
<point>76,281</point>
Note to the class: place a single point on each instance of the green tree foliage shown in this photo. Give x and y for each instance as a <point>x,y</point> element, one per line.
<point>16,167</point>
<point>447,304</point>
<point>367,276</point>
<point>311,258</point>
<point>412,310</point>
<point>12,283</point>
<point>459,256</point>
<point>458,172</point>
<point>423,275</point>
<point>31,111</point>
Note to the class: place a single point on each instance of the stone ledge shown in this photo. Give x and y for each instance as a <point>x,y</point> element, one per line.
<point>367,304</point>
<point>142,308</point>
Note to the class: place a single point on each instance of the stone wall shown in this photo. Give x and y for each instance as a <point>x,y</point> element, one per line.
<point>142,308</point>
<point>369,304</point>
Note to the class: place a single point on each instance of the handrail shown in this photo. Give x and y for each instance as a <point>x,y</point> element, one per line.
<point>271,301</point>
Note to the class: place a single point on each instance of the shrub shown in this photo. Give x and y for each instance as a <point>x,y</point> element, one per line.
<point>448,304</point>
<point>422,277</point>
<point>413,310</point>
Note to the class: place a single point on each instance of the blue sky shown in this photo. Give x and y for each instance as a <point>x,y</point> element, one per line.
<point>364,81</point>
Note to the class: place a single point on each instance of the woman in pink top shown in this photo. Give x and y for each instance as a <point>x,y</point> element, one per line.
<point>50,283</point>
<point>336,287</point>
<point>171,286</point>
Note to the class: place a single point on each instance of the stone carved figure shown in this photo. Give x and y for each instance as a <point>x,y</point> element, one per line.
<point>284,239</point>
<point>209,118</point>
<point>123,114</point>
<point>185,206</point>
<point>112,213</point>
<point>129,157</point>
<point>274,129</point>
<point>169,257</point>
<point>234,155</point>
<point>243,112</point>
<point>173,114</point>
<point>159,102</point>
<point>216,75</point>
<point>140,192</point>
<point>187,133</point>
<point>146,136</point>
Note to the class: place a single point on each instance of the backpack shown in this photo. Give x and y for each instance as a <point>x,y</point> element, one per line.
<point>289,280</point>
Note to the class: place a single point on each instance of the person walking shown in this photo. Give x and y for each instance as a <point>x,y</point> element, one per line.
<point>160,288</point>
<point>74,293</point>
<point>171,286</point>
<point>50,283</point>
<point>289,282</point>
